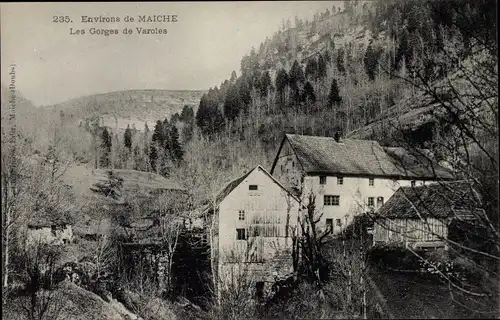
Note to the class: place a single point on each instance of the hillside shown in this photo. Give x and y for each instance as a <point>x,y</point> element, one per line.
<point>21,102</point>
<point>131,107</point>
<point>24,108</point>
<point>81,179</point>
<point>420,78</point>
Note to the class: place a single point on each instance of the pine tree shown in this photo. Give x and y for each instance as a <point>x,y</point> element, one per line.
<point>233,77</point>
<point>296,80</point>
<point>371,62</point>
<point>153,157</point>
<point>296,74</point>
<point>208,117</point>
<point>334,97</point>
<point>175,118</point>
<point>166,133</point>
<point>137,160</point>
<point>157,146</point>
<point>322,67</point>
<point>281,83</point>
<point>187,117</point>
<point>340,61</point>
<point>309,95</point>
<point>244,87</point>
<point>233,103</point>
<point>176,152</point>
<point>143,159</point>
<point>128,138</point>
<point>312,69</point>
<point>158,133</point>
<point>106,145</point>
<point>265,83</point>
<point>187,114</point>
<point>404,50</point>
<point>202,114</point>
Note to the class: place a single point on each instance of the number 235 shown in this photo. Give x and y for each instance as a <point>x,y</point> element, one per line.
<point>60,19</point>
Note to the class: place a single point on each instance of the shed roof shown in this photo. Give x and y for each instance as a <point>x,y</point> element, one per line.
<point>359,157</point>
<point>439,200</point>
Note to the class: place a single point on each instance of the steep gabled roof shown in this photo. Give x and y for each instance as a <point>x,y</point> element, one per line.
<point>439,200</point>
<point>358,157</point>
<point>236,182</point>
<point>231,186</point>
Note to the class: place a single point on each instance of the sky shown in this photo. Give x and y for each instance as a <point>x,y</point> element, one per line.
<point>198,51</point>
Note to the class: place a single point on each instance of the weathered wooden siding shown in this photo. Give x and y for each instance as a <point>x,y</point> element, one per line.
<point>409,230</point>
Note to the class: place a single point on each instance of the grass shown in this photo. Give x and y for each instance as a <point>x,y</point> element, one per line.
<point>412,296</point>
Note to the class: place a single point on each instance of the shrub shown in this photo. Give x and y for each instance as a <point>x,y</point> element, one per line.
<point>394,257</point>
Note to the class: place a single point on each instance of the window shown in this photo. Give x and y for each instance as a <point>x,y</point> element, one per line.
<point>53,230</point>
<point>241,215</point>
<point>380,201</point>
<point>259,290</point>
<point>240,234</point>
<point>331,200</point>
<point>322,179</point>
<point>371,201</point>
<point>340,180</point>
<point>293,164</point>
<point>339,222</point>
<point>329,224</point>
<point>371,182</point>
<point>412,183</point>
<point>253,187</point>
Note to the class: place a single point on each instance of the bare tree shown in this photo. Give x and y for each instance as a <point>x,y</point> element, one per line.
<point>312,241</point>
<point>169,212</point>
<point>39,266</point>
<point>31,188</point>
<point>459,89</point>
<point>104,255</point>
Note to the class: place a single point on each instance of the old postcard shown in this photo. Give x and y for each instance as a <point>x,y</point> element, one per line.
<point>250,160</point>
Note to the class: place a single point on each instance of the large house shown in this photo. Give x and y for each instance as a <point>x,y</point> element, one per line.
<point>421,217</point>
<point>348,177</point>
<point>256,218</point>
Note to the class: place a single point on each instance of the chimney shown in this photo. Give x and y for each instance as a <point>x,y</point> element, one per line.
<point>289,129</point>
<point>336,136</point>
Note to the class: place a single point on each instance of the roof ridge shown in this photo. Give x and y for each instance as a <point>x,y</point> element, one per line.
<point>323,154</point>
<point>230,186</point>
<point>436,184</point>
<point>329,137</point>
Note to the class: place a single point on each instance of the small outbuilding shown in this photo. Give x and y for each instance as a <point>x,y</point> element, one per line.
<point>421,216</point>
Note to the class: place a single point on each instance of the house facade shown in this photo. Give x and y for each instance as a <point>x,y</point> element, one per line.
<point>347,177</point>
<point>53,234</point>
<point>256,218</point>
<point>422,217</point>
